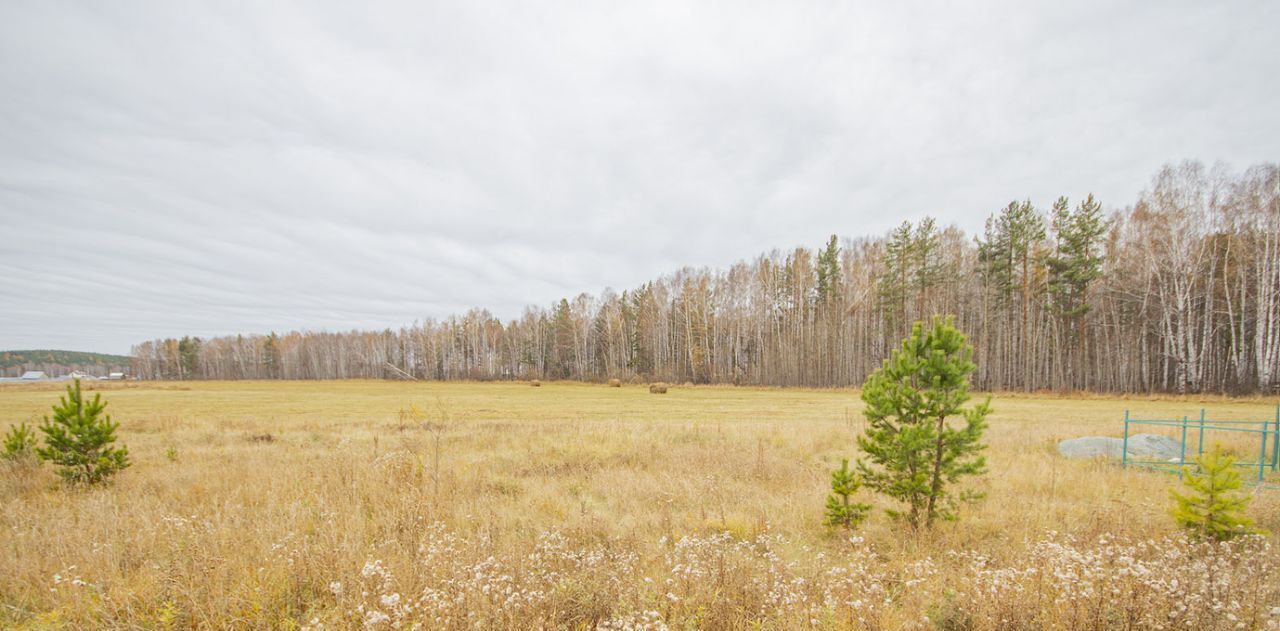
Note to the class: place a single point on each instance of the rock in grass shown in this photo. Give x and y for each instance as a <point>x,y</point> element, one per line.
<point>1092,447</point>
<point>1155,447</point>
<point>1143,446</point>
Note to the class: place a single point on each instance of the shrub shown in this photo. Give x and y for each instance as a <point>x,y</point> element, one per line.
<point>79,439</point>
<point>840,510</point>
<point>19,444</point>
<point>1212,508</point>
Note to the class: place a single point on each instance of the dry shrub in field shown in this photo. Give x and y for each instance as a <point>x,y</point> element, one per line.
<point>658,388</point>
<point>467,583</point>
<point>535,383</point>
<point>1169,583</point>
<point>615,383</point>
<point>719,581</point>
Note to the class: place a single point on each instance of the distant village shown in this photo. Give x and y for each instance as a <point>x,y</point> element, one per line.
<point>40,375</point>
<point>57,365</point>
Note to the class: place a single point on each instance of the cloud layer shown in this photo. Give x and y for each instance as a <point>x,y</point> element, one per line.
<point>172,168</point>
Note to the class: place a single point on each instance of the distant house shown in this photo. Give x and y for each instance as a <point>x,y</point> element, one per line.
<point>34,375</point>
<point>115,376</point>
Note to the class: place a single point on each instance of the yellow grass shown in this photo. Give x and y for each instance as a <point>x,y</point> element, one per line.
<point>248,501</point>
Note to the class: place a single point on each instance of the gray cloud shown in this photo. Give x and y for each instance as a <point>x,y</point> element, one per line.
<point>176,168</point>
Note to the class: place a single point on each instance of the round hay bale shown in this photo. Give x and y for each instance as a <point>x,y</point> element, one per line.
<point>658,388</point>
<point>535,383</point>
<point>615,383</point>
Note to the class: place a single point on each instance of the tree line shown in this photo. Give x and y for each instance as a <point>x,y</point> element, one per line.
<point>1177,292</point>
<point>59,363</point>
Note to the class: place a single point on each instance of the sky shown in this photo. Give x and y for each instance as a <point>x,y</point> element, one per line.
<point>175,168</point>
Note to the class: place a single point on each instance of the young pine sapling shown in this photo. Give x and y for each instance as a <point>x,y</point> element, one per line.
<point>80,438</point>
<point>1213,508</point>
<point>841,511</point>
<point>913,453</point>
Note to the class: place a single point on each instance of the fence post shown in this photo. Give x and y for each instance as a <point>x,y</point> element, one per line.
<point>1262,454</point>
<point>1200,449</point>
<point>1124,451</point>
<point>1182,460</point>
<point>1275,444</point>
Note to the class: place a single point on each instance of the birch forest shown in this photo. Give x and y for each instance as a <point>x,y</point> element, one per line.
<point>1177,292</point>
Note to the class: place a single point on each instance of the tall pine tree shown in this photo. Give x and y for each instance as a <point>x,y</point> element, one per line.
<point>1074,266</point>
<point>829,272</point>
<point>894,279</point>
<point>563,344</point>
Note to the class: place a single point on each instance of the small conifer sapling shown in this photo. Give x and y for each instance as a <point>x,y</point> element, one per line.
<point>1212,508</point>
<point>19,443</point>
<point>80,439</point>
<point>841,511</point>
<point>914,452</point>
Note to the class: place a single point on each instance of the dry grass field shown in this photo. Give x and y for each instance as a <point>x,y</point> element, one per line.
<point>496,505</point>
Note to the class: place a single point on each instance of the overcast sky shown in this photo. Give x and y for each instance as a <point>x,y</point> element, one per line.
<point>169,168</point>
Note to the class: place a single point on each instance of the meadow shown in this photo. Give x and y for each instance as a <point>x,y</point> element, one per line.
<point>372,504</point>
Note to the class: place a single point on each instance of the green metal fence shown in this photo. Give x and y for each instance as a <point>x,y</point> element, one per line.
<point>1195,429</point>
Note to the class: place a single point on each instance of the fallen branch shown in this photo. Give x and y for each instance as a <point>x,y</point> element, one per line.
<point>401,372</point>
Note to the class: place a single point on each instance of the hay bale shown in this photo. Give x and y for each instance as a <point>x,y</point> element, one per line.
<point>658,388</point>
<point>535,383</point>
<point>615,383</point>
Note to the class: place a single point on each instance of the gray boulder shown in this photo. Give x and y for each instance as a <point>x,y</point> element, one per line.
<point>1092,447</point>
<point>1155,447</point>
<point>1141,446</point>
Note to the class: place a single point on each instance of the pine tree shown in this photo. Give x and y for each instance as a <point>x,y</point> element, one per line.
<point>189,357</point>
<point>894,280</point>
<point>271,355</point>
<point>1075,264</point>
<point>912,453</point>
<point>995,254</point>
<point>1078,260</point>
<point>600,331</point>
<point>1212,509</point>
<point>562,336</point>
<point>79,439</point>
<point>840,510</point>
<point>19,444</point>
<point>829,272</point>
<point>927,269</point>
